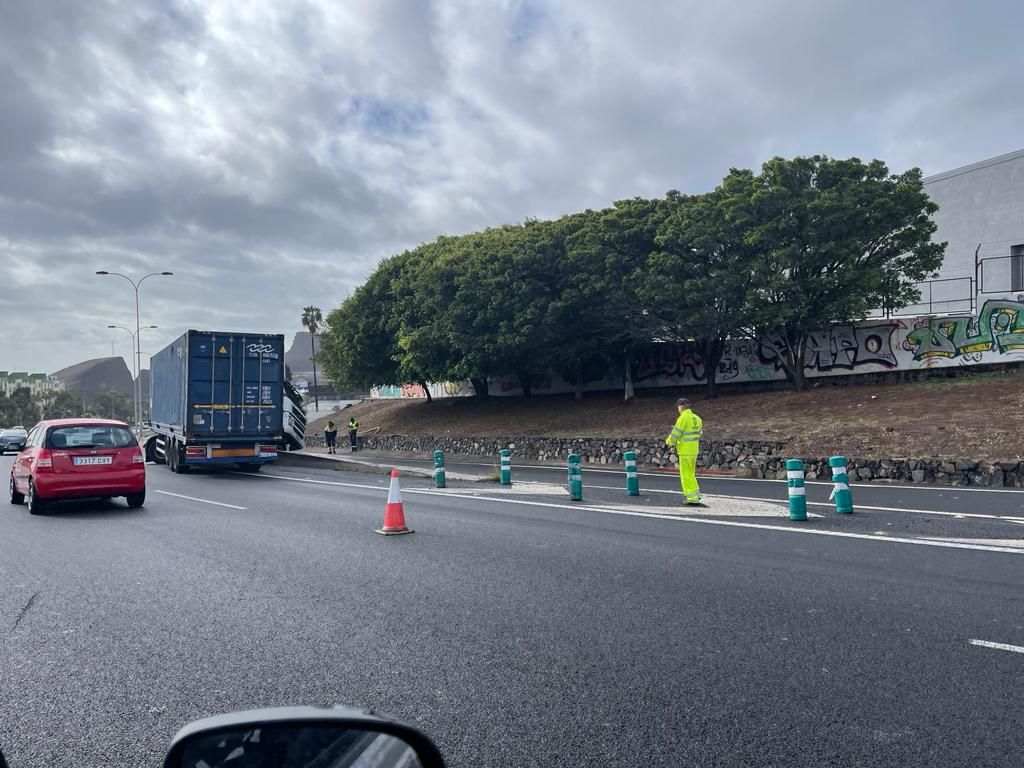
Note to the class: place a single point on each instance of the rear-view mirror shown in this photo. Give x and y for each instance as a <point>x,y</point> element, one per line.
<point>301,737</point>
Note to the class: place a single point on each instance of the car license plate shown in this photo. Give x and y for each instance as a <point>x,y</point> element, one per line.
<point>80,460</point>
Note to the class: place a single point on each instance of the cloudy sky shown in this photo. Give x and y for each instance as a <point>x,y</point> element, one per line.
<point>270,152</point>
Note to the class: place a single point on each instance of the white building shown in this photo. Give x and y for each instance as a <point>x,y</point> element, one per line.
<point>981,217</point>
<point>38,384</point>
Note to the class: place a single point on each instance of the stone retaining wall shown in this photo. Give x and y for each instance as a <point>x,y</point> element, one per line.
<point>746,458</point>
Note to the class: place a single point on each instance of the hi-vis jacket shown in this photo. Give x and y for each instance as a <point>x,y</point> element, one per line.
<point>685,435</point>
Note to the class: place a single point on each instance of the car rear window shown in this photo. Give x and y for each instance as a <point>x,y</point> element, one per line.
<point>90,436</point>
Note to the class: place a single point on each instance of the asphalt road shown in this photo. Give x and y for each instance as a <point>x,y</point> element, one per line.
<point>513,627</point>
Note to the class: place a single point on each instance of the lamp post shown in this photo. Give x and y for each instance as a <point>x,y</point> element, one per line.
<point>138,356</point>
<point>136,369</point>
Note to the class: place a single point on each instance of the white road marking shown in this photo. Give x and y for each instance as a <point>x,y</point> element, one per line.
<point>593,468</point>
<point>998,646</point>
<point>1016,543</point>
<point>204,501</point>
<point>830,505</point>
<point>657,516</point>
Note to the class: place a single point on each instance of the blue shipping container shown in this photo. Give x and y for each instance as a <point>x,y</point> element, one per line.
<point>211,385</point>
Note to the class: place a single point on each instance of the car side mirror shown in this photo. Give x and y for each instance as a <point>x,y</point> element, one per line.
<point>301,737</point>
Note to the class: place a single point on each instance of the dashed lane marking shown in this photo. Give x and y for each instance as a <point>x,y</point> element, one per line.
<point>203,501</point>
<point>998,646</point>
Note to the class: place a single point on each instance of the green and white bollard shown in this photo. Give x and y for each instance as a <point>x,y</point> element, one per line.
<point>841,486</point>
<point>797,492</point>
<point>506,467</point>
<point>575,478</point>
<point>439,479</point>
<point>632,479</point>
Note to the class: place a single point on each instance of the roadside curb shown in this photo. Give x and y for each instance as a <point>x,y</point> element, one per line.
<point>296,459</point>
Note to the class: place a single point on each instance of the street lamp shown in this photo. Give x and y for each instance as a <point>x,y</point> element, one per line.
<point>136,371</point>
<point>138,329</point>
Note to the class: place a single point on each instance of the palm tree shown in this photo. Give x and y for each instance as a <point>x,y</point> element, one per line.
<point>312,319</point>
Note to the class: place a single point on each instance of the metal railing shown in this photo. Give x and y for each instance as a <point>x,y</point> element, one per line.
<point>930,304</point>
<point>1001,274</point>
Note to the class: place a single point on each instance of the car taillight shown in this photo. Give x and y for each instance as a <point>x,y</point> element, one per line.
<point>44,460</point>
<point>138,458</point>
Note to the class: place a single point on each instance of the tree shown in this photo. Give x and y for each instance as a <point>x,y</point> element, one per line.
<point>63,404</point>
<point>607,259</point>
<point>697,282</point>
<point>312,319</point>
<point>113,405</point>
<point>18,408</point>
<point>357,349</point>
<point>831,240</point>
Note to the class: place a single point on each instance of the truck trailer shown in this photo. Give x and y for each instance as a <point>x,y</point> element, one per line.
<point>217,398</point>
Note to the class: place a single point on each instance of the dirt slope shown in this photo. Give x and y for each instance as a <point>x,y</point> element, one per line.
<point>980,416</point>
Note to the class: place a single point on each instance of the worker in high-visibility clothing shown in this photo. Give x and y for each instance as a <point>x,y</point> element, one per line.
<point>685,436</point>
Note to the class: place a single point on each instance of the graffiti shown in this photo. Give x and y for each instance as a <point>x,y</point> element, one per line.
<point>413,390</point>
<point>853,348</point>
<point>395,392</point>
<point>759,372</point>
<point>843,347</point>
<point>998,328</point>
<point>681,361</point>
<point>456,389</point>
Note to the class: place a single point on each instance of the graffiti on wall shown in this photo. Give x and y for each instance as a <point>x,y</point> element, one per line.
<point>994,335</point>
<point>999,327</point>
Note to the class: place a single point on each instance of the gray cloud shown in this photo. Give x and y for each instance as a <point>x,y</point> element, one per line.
<point>270,154</point>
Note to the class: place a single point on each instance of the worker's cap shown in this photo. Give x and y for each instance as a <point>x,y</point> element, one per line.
<point>682,401</point>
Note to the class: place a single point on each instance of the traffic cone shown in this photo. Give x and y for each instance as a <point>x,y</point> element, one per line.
<point>394,512</point>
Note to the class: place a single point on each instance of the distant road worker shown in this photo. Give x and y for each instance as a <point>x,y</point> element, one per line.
<point>331,437</point>
<point>685,436</point>
<point>353,434</point>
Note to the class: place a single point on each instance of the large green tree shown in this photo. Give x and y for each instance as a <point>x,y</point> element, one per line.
<point>357,347</point>
<point>697,281</point>
<point>831,240</point>
<point>602,296</point>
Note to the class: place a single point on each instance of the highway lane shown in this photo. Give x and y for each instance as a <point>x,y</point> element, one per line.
<point>515,633</point>
<point>878,495</point>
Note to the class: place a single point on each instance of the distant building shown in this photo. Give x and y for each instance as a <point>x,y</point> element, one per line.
<point>981,217</point>
<point>38,384</point>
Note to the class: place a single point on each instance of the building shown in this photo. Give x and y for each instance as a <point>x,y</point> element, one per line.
<point>981,217</point>
<point>39,384</point>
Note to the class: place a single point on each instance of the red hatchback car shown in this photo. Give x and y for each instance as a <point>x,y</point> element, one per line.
<point>78,458</point>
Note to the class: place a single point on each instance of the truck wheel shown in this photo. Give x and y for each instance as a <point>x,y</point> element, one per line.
<point>174,459</point>
<point>151,454</point>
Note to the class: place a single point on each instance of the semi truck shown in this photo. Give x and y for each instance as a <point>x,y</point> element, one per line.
<point>217,398</point>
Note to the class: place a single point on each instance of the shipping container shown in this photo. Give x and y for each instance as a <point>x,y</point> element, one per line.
<point>217,397</point>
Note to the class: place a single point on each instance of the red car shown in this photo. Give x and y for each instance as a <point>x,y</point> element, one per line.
<point>78,458</point>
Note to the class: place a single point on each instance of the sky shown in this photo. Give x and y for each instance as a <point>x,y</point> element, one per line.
<point>271,152</point>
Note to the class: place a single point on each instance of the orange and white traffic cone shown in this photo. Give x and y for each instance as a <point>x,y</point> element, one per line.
<point>394,512</point>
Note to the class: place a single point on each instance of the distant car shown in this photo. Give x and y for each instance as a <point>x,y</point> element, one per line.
<point>76,459</point>
<point>12,439</point>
